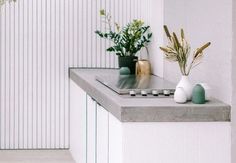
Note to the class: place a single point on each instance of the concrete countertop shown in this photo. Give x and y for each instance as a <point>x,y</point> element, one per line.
<point>146,109</point>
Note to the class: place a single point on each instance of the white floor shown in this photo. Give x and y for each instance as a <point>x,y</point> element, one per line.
<point>35,156</point>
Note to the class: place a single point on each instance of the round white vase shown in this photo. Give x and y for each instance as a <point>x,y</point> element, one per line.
<point>186,85</point>
<point>180,95</point>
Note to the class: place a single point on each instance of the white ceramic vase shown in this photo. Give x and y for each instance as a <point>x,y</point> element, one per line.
<point>180,95</point>
<point>186,85</point>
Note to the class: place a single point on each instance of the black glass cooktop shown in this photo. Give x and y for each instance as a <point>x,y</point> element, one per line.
<point>123,84</point>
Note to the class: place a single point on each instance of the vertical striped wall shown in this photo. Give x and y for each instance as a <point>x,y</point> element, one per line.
<point>39,41</point>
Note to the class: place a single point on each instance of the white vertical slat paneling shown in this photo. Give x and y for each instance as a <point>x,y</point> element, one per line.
<point>57,71</point>
<point>98,40</point>
<point>39,41</point>
<point>52,73</point>
<point>16,84</point>
<point>12,79</point>
<point>79,31</point>
<point>63,47</point>
<point>68,45</point>
<point>68,62</point>
<point>48,73</point>
<point>43,8</point>
<point>29,76</point>
<point>6,84</point>
<point>39,74</point>
<point>93,28</point>
<point>34,74</point>
<point>8,78</point>
<point>21,76</point>
<point>113,12</point>
<point>67,50</point>
<point>1,82</point>
<point>103,52</point>
<point>107,54</point>
<point>2,88</point>
<point>89,32</point>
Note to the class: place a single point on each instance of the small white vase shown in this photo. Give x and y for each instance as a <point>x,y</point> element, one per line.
<point>187,86</point>
<point>180,95</point>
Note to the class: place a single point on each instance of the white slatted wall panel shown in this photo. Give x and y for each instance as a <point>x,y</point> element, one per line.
<point>40,39</point>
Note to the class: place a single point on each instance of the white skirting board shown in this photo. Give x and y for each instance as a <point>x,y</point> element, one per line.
<point>35,156</point>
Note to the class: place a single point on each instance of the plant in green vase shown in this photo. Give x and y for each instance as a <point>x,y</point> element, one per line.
<point>178,50</point>
<point>127,41</point>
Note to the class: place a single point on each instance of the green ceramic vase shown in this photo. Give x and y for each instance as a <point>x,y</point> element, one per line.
<point>198,95</point>
<point>124,71</point>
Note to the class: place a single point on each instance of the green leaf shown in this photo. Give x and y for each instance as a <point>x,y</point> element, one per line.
<point>102,12</point>
<point>130,39</point>
<point>149,35</point>
<point>110,49</point>
<point>99,33</point>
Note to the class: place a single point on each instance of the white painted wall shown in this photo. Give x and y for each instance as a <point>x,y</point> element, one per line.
<point>203,21</point>
<point>156,23</point>
<point>233,63</point>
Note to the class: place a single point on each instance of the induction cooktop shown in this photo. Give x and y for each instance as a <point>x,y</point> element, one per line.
<point>134,85</point>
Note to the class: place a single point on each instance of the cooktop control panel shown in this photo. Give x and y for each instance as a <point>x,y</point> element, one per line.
<point>138,86</point>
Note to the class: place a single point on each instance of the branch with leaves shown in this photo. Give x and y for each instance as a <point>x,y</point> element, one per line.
<point>178,50</point>
<point>128,40</point>
<point>2,2</point>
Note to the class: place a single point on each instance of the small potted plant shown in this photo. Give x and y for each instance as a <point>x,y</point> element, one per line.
<point>178,50</point>
<point>127,41</point>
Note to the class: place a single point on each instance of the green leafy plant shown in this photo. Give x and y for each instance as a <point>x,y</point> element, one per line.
<point>2,2</point>
<point>128,40</point>
<point>178,50</point>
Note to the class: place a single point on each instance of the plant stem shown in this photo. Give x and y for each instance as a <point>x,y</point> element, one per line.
<point>108,17</point>
<point>147,50</point>
<point>190,67</point>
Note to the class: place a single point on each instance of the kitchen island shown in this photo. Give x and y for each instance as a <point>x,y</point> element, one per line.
<point>109,128</point>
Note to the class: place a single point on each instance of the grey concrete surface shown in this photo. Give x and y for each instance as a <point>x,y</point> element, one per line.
<point>147,109</point>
